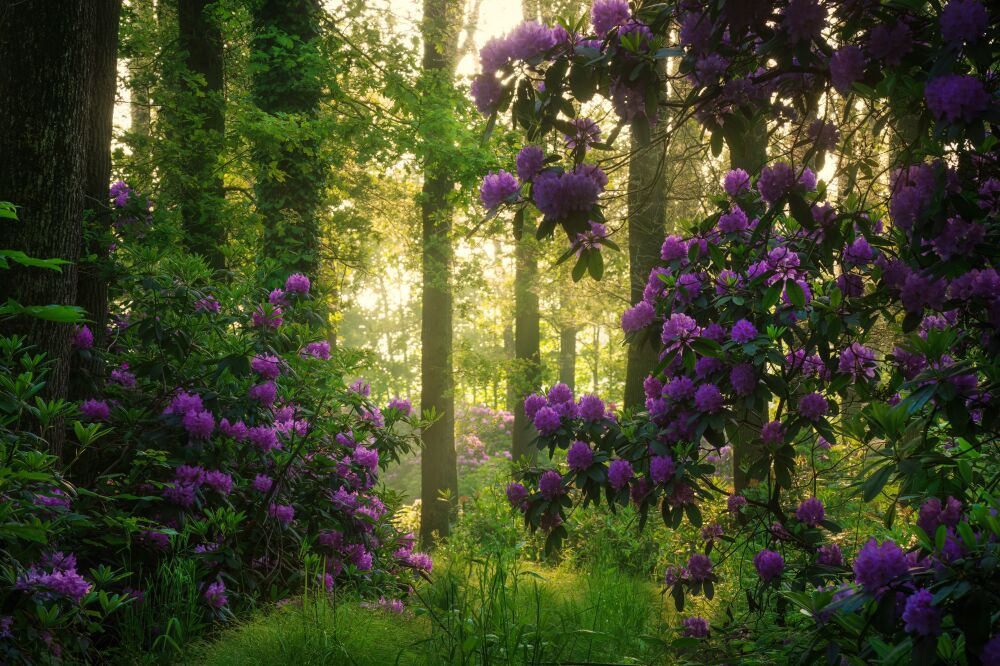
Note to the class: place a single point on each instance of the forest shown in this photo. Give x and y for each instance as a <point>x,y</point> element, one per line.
<point>481,332</point>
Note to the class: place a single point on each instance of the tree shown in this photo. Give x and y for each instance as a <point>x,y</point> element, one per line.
<point>47,83</point>
<point>438,471</point>
<point>196,130</point>
<point>526,374</point>
<point>646,224</point>
<point>286,63</point>
<point>747,154</point>
<point>92,288</point>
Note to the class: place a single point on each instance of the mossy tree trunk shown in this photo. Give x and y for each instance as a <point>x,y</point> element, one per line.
<point>290,185</point>
<point>647,209</point>
<point>527,335</point>
<point>46,84</point>
<point>196,130</point>
<point>438,470</point>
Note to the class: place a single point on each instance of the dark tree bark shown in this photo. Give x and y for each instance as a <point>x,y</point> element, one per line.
<point>567,356</point>
<point>527,337</point>
<point>291,179</point>
<point>92,287</point>
<point>197,128</point>
<point>647,209</point>
<point>438,471</point>
<point>45,83</point>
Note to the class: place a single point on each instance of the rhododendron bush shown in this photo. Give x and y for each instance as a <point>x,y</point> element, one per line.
<point>765,309</point>
<point>222,433</point>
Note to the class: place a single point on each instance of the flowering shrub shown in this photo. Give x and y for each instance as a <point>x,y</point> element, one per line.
<point>224,435</point>
<point>765,309</point>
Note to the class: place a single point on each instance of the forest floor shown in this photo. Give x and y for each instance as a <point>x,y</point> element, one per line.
<point>496,610</point>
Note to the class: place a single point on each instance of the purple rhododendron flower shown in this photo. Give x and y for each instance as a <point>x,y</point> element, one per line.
<point>620,473</point>
<point>699,567</point>
<point>813,406</point>
<point>696,627</point>
<point>265,393</point>
<point>587,133</point>
<point>733,221</point>
<point>297,283</point>
<point>550,485</point>
<point>847,65</point>
<point>591,408</point>
<point>219,481</point>
<point>775,181</point>
<point>920,615</point>
<point>661,468</point>
<point>532,404</point>
<point>609,14</point>
<point>530,161</point>
<point>496,188</point>
<point>934,514</point>
<point>402,405</point>
<point>769,564</point>
<point>708,398</point>
<point>638,317</point>
<point>560,393</point>
<point>547,420</point>
<point>486,92</point>
<point>876,565</point>
<point>963,21</point>
<point>264,438</point>
<point>811,512</point>
<point>830,555</point>
<point>270,318</point>
<point>320,350</point>
<point>262,483</point>
<point>95,410</point>
<point>736,182</point>
<point>215,595</point>
<point>743,331</point>
<point>199,423</point>
<point>735,502</point>
<point>956,98</point>
<point>803,20</point>
<point>283,513</point>
<point>743,378</point>
<point>674,247</point>
<point>858,361</point>
<point>517,495</point>
<point>579,456</point>
<point>267,366</point>
<point>83,338</point>
<point>773,433</point>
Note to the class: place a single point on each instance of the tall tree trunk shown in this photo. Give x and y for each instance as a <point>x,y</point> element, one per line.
<point>527,336</point>
<point>567,356</point>
<point>92,287</point>
<point>749,155</point>
<point>45,83</point>
<point>438,471</point>
<point>197,129</point>
<point>291,179</point>
<point>596,376</point>
<point>647,208</point>
<point>508,355</point>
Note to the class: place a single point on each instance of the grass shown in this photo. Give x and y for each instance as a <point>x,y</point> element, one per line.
<point>493,610</point>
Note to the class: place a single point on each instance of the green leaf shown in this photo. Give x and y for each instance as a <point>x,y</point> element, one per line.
<point>62,314</point>
<point>795,294</point>
<point>873,484</point>
<point>596,264</point>
<point>801,211</point>
<point>580,268</point>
